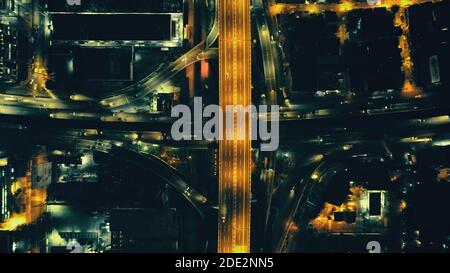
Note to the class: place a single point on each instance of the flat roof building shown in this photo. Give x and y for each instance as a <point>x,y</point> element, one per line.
<point>145,230</point>
<point>121,6</point>
<point>117,23</point>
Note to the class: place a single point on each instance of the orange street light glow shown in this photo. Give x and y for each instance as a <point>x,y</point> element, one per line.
<point>345,6</point>
<point>13,222</point>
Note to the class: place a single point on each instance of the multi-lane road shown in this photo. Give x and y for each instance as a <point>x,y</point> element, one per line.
<point>234,154</point>
<point>268,56</point>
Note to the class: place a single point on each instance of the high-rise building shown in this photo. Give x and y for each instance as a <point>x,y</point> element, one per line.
<point>8,51</point>
<point>6,178</point>
<point>6,6</point>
